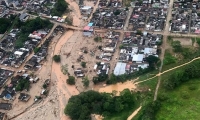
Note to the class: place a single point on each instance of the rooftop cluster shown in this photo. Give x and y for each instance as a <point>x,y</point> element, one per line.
<point>185,17</point>
<point>149,15</point>
<point>134,51</point>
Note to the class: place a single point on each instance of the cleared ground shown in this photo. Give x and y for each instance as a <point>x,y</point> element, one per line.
<point>184,41</point>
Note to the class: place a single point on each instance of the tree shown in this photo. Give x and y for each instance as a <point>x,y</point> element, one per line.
<point>121,46</point>
<point>59,8</point>
<point>22,84</point>
<point>4,25</point>
<point>56,58</point>
<point>139,32</point>
<point>83,64</point>
<point>71,80</point>
<point>152,60</point>
<point>117,12</point>
<point>85,81</point>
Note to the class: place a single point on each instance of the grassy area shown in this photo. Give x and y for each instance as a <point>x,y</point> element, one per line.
<point>182,103</point>
<point>146,97</point>
<point>169,58</point>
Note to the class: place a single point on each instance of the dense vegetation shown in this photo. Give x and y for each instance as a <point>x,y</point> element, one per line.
<point>4,24</point>
<point>59,8</point>
<point>100,78</point>
<point>30,26</point>
<point>23,84</point>
<point>178,77</point>
<point>149,113</point>
<point>81,106</point>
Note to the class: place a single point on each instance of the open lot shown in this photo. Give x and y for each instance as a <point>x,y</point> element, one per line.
<point>184,41</point>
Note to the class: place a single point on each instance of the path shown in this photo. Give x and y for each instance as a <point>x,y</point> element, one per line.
<point>134,113</point>
<point>166,31</point>
<point>161,73</point>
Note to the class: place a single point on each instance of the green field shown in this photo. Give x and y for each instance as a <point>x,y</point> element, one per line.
<point>182,103</point>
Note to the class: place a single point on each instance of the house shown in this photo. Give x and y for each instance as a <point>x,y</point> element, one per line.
<point>5,106</point>
<point>23,17</point>
<point>3,11</point>
<point>138,58</point>
<point>24,97</point>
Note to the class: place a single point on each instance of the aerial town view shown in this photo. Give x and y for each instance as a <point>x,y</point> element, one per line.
<point>99,59</point>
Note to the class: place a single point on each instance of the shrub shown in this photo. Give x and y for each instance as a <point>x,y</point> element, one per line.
<point>169,59</point>
<point>36,49</point>
<point>83,64</point>
<point>85,81</point>
<point>97,39</point>
<point>56,58</point>
<point>71,80</point>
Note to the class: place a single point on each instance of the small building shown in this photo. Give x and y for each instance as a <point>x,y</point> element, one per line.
<point>24,97</point>
<point>23,17</point>
<point>120,68</point>
<point>138,58</point>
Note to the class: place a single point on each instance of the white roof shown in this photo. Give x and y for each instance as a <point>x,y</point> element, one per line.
<point>143,66</point>
<point>95,66</point>
<point>149,51</point>
<point>138,57</point>
<point>120,68</point>
<point>18,53</point>
<point>184,26</point>
<point>86,7</point>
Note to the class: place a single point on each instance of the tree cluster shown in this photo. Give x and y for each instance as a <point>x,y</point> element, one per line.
<point>81,106</point>
<point>22,85</point>
<point>60,7</point>
<point>30,26</point>
<point>4,25</point>
<point>180,76</point>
